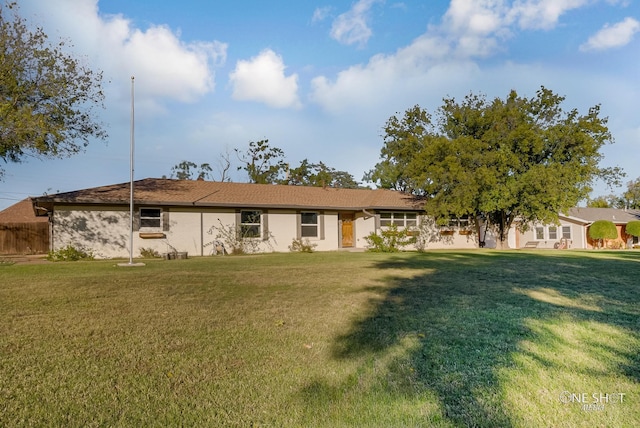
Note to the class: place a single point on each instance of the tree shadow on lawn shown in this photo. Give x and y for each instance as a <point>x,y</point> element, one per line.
<point>467,315</point>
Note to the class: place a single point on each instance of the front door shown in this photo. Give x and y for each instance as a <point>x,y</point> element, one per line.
<point>346,220</point>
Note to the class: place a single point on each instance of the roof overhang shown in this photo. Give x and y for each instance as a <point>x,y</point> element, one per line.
<point>42,206</point>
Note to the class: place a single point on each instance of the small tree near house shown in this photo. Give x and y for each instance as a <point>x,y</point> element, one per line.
<point>633,228</point>
<point>601,230</point>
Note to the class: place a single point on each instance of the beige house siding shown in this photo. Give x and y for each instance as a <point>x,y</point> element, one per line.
<point>102,230</point>
<point>105,230</point>
<point>533,239</point>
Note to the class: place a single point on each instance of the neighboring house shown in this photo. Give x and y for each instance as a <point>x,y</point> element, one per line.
<point>188,216</point>
<point>21,231</point>
<point>573,230</point>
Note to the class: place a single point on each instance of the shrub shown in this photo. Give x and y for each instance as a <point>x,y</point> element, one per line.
<point>616,245</point>
<point>148,253</point>
<point>390,240</point>
<point>633,228</point>
<point>601,230</point>
<point>70,254</point>
<point>302,246</point>
<point>236,240</point>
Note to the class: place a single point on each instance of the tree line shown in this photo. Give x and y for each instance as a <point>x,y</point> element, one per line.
<point>628,200</point>
<point>265,164</point>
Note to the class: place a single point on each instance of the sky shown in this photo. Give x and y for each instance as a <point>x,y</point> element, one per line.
<point>319,79</point>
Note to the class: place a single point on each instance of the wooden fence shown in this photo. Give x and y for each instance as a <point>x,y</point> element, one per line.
<point>24,238</point>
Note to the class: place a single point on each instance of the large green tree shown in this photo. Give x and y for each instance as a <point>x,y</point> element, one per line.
<point>502,162</point>
<point>47,97</point>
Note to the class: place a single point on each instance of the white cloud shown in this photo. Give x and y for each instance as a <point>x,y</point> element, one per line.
<point>263,79</point>
<point>165,67</point>
<point>612,36</point>
<point>353,26</point>
<point>542,14</point>
<point>479,17</point>
<point>175,70</point>
<point>469,30</point>
<point>474,27</point>
<point>423,64</point>
<point>320,14</point>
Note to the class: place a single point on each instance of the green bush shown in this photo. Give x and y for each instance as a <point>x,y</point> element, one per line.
<point>70,254</point>
<point>237,240</point>
<point>390,240</point>
<point>302,246</point>
<point>633,228</point>
<point>149,253</point>
<point>601,230</point>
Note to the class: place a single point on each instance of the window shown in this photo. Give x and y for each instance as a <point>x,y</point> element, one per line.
<point>386,219</point>
<point>309,225</point>
<point>398,219</point>
<point>553,232</point>
<point>150,218</point>
<point>410,219</point>
<point>539,233</point>
<point>457,223</point>
<point>250,224</point>
<point>566,232</point>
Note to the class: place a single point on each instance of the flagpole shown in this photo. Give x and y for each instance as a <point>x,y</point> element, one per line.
<point>131,164</point>
<point>132,144</point>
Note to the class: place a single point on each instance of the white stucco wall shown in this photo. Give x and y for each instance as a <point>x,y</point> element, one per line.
<point>105,231</point>
<point>577,240</point>
<point>433,237</point>
<point>363,226</point>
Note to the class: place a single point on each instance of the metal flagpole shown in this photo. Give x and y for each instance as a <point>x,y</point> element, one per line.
<point>131,169</point>
<point>131,164</point>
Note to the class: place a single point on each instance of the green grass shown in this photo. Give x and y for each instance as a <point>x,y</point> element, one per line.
<point>448,339</point>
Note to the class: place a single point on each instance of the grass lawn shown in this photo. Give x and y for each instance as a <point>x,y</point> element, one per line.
<point>445,339</point>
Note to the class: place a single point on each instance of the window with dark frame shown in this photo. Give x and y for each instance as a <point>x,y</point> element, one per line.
<point>150,218</point>
<point>250,224</point>
<point>309,224</point>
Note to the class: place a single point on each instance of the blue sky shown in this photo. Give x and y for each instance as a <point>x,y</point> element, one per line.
<point>319,79</point>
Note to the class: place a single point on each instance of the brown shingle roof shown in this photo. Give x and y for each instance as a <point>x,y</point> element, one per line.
<point>165,192</point>
<point>22,212</point>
